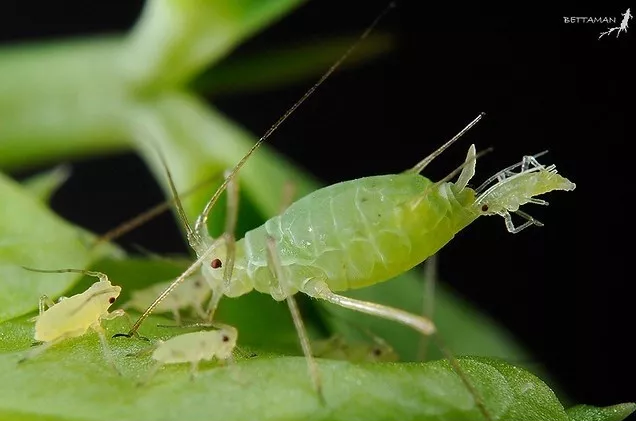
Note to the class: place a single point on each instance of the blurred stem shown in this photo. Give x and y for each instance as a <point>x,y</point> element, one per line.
<point>175,39</point>
<point>199,141</point>
<point>59,100</point>
<point>283,66</point>
<point>71,98</point>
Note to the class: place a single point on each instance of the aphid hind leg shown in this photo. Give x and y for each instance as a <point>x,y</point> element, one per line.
<point>319,289</point>
<point>229,237</point>
<point>428,301</point>
<point>44,346</point>
<point>278,272</point>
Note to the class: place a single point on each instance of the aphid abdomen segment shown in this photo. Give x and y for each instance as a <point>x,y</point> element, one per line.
<point>358,233</point>
<point>72,320</point>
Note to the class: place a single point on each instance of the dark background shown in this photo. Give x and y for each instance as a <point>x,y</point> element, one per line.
<point>565,289</point>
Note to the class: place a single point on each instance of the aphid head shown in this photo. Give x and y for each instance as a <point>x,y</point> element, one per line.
<point>105,292</point>
<point>228,336</point>
<point>514,189</point>
<point>382,352</point>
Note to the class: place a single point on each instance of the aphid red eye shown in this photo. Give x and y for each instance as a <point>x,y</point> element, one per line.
<point>216,263</point>
<point>225,338</point>
<point>484,208</point>
<point>112,300</point>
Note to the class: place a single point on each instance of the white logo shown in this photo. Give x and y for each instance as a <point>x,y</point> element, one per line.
<point>622,28</point>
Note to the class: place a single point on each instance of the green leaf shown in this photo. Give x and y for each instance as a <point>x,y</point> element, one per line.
<point>283,66</point>
<point>269,387</point>
<point>43,185</point>
<point>31,235</point>
<point>607,413</point>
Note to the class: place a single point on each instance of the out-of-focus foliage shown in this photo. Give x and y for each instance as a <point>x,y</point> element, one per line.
<point>62,100</point>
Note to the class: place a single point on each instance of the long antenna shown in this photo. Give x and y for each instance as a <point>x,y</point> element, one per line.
<point>151,213</point>
<point>289,112</point>
<point>203,218</point>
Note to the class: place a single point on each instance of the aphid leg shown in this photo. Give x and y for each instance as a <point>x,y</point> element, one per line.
<point>45,345</point>
<point>212,306</point>
<point>108,355</point>
<point>151,373</point>
<point>319,289</point>
<point>177,316</point>
<point>538,201</point>
<point>278,272</point>
<point>529,160</point>
<point>194,370</point>
<point>230,229</point>
<point>428,301</point>
<point>44,304</point>
<point>201,229</point>
<point>37,351</point>
<point>102,336</point>
<point>515,230</point>
<point>200,312</point>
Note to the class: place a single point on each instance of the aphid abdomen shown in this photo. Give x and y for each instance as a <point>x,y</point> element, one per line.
<point>356,233</point>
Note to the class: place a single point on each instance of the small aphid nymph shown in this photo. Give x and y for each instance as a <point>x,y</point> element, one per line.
<point>191,294</point>
<point>195,347</point>
<point>76,315</point>
<point>512,190</point>
<point>337,348</point>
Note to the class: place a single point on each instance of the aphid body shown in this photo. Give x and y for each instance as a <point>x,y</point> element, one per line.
<point>361,232</point>
<point>193,348</point>
<point>74,316</point>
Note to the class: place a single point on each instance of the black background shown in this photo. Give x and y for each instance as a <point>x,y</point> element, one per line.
<point>565,289</point>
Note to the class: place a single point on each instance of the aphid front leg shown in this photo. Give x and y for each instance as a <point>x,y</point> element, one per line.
<point>45,303</point>
<point>278,272</point>
<point>108,355</point>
